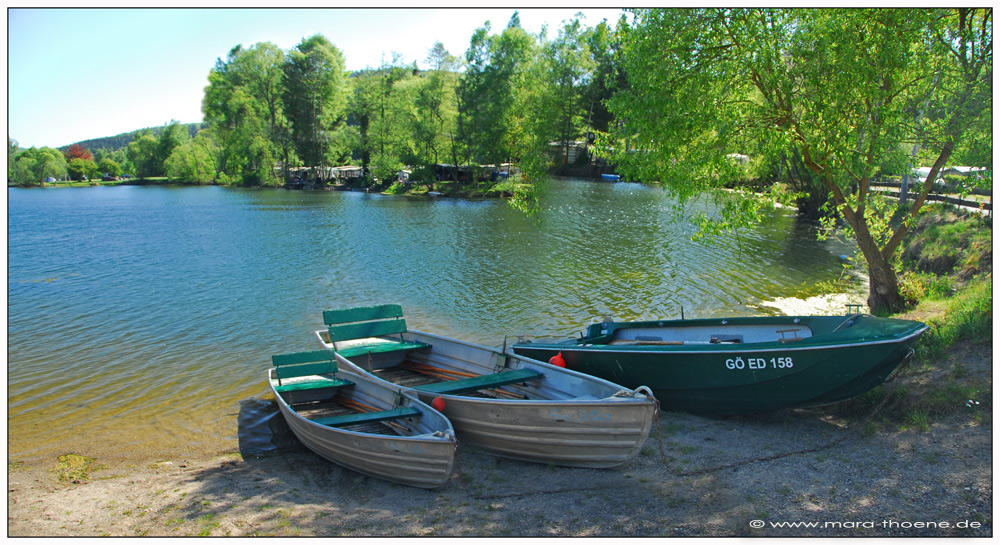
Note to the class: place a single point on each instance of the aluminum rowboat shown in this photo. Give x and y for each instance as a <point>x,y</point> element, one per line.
<point>394,436</point>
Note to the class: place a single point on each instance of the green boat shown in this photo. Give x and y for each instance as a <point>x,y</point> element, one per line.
<point>739,365</point>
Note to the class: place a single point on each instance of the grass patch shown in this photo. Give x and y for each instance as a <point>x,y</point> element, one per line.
<point>945,242</point>
<point>208,522</point>
<point>968,315</point>
<point>919,419</point>
<point>956,310</point>
<point>75,468</point>
<point>948,269</point>
<point>949,397</point>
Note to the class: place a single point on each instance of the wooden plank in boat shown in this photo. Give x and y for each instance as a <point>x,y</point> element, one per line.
<point>481,382</point>
<point>375,416</point>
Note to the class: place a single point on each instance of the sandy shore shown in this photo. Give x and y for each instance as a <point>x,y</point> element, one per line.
<point>815,472</point>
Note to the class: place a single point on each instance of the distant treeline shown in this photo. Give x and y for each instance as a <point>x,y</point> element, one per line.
<point>121,141</point>
<point>274,115</point>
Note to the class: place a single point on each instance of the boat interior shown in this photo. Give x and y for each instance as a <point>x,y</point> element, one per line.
<point>424,376</point>
<point>341,406</point>
<point>704,334</point>
<point>312,386</point>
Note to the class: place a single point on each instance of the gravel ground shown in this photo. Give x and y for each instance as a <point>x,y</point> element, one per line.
<point>817,472</point>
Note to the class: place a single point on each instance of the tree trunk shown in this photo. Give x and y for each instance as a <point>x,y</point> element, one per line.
<point>883,295</point>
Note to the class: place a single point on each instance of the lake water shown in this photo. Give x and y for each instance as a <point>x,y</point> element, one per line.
<point>141,319</point>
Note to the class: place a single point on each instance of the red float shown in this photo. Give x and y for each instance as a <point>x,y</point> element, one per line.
<point>558,360</point>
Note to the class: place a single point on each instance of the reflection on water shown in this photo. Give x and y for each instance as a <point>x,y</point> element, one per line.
<point>140,317</point>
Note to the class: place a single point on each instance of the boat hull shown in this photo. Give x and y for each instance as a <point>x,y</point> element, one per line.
<point>726,378</point>
<point>425,459</point>
<point>599,434</point>
<point>569,419</point>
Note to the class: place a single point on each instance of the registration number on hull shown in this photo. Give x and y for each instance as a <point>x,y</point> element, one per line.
<point>759,363</point>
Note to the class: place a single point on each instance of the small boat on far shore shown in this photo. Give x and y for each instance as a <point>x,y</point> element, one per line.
<point>362,423</point>
<point>739,365</point>
<point>507,405</point>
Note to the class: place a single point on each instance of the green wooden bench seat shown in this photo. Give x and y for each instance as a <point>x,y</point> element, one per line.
<point>378,346</point>
<point>367,328</point>
<point>481,382</point>
<point>306,371</point>
<point>364,418</point>
<point>312,383</point>
<point>318,369</point>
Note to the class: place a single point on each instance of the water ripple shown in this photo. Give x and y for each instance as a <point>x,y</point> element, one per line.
<point>140,317</point>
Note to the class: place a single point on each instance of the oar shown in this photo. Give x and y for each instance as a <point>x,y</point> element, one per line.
<point>442,373</point>
<point>428,369</point>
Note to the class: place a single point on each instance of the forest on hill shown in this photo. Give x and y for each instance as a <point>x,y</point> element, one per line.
<point>108,144</point>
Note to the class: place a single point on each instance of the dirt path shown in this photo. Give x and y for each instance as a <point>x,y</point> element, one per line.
<point>900,474</point>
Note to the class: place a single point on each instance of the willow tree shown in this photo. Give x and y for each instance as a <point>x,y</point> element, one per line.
<point>314,97</point>
<point>32,166</point>
<point>571,67</point>
<point>387,139</point>
<point>243,106</point>
<point>434,109</point>
<point>495,94</point>
<point>840,87</point>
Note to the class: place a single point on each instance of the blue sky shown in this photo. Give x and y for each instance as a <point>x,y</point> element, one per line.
<point>76,74</point>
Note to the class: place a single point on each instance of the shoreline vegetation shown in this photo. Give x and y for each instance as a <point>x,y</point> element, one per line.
<point>502,189</point>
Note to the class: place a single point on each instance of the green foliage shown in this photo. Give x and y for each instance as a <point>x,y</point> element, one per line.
<point>968,315</point>
<point>943,243</point>
<point>917,286</point>
<point>948,263</point>
<point>570,65</point>
<point>109,144</point>
<point>12,149</point>
<point>80,169</point>
<point>383,100</point>
<point>500,112</point>
<point>434,115</point>
<point>32,166</point>
<point>919,419</point>
<point>173,135</point>
<point>835,89</point>
<point>193,161</point>
<point>396,189</point>
<point>606,78</point>
<point>268,110</point>
<point>313,97</point>
<point>141,152</point>
<point>243,104</point>
<point>423,175</point>
<point>109,166</point>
